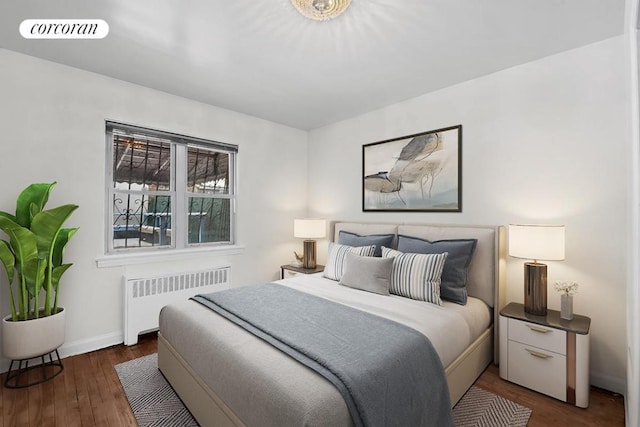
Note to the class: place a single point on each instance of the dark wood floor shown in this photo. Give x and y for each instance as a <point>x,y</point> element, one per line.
<point>88,393</point>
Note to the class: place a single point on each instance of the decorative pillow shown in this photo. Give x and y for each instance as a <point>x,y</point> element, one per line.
<point>367,273</point>
<point>416,276</point>
<point>335,258</point>
<point>352,239</point>
<point>454,276</point>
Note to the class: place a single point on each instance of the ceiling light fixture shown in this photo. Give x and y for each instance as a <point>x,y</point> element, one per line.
<point>321,10</point>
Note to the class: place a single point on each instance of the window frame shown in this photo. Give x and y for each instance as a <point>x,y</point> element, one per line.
<point>178,192</point>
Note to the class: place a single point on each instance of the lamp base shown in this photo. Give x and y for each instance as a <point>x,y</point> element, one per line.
<point>535,288</point>
<point>309,254</point>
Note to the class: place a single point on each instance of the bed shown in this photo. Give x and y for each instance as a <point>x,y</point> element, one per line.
<point>227,376</point>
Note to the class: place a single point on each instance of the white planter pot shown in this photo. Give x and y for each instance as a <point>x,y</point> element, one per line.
<point>32,338</point>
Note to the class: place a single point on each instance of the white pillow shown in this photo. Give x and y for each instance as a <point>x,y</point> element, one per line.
<point>416,276</point>
<point>335,258</point>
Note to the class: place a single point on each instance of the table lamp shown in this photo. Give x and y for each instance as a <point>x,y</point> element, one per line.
<point>309,229</point>
<point>536,242</point>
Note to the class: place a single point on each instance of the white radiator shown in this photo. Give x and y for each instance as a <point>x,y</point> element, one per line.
<point>145,296</point>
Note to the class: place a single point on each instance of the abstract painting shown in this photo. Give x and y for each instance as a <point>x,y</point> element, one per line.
<point>420,172</point>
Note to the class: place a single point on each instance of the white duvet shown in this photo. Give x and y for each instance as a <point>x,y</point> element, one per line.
<point>451,327</point>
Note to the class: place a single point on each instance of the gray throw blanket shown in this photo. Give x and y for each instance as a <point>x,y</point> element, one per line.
<point>387,373</point>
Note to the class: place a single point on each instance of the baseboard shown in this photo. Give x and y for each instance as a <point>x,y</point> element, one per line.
<point>78,347</point>
<point>607,382</point>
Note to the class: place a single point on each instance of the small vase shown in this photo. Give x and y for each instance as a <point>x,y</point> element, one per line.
<point>566,306</point>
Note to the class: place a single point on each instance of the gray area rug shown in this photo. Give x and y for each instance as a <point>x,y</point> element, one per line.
<point>154,403</point>
<point>484,409</point>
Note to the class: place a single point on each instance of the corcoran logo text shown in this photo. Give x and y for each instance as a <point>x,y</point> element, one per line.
<point>64,29</point>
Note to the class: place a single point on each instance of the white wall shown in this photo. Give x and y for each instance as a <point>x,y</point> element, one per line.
<point>632,37</point>
<point>52,119</point>
<point>543,142</point>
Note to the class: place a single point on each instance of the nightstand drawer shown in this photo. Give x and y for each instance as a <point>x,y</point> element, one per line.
<point>287,274</point>
<point>539,336</point>
<point>538,369</point>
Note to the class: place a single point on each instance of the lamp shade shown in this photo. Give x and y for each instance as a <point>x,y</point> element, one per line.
<point>536,242</point>
<point>309,228</point>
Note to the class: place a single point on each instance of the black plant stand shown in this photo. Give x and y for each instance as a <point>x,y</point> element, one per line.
<point>49,370</point>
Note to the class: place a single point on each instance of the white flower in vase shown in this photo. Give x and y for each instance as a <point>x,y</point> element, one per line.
<point>567,288</point>
<point>567,291</point>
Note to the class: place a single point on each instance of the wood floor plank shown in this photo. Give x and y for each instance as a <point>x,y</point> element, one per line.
<point>60,401</point>
<point>112,417</point>
<point>8,406</point>
<point>48,404</point>
<point>95,410</point>
<point>36,402</point>
<point>22,407</point>
<point>71,393</point>
<point>88,393</point>
<point>82,393</point>
<point>122,412</point>
<point>99,396</point>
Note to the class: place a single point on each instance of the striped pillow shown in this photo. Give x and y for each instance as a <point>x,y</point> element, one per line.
<point>416,276</point>
<point>335,258</point>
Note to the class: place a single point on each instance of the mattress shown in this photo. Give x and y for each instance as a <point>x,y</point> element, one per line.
<point>265,387</point>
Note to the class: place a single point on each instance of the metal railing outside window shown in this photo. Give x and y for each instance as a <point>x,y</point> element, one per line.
<point>168,190</point>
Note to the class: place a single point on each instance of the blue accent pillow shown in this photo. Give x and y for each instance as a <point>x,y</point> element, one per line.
<point>379,240</point>
<point>454,276</point>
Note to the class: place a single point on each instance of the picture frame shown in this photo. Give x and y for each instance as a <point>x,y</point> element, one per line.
<point>420,172</point>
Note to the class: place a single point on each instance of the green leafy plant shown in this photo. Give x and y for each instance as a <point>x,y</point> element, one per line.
<point>32,258</point>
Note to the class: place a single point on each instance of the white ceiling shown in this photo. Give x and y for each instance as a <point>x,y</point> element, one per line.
<point>261,57</point>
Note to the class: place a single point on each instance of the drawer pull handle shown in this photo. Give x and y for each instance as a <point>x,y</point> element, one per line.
<point>538,329</point>
<point>540,355</point>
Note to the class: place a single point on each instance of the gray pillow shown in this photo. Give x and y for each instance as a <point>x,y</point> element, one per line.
<point>367,273</point>
<point>454,276</point>
<point>379,240</point>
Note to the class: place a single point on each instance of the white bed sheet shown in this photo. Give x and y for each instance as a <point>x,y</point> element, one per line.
<point>451,327</point>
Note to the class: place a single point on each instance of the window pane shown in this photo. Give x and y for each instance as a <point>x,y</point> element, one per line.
<point>141,220</point>
<point>146,165</point>
<point>209,220</point>
<point>207,171</point>
<point>141,163</point>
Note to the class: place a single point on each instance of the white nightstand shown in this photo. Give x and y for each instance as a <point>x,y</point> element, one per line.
<point>288,271</point>
<point>546,353</point>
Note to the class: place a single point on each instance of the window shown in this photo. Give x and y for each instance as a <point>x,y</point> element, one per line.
<point>168,190</point>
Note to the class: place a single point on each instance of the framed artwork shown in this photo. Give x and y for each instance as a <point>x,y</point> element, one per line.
<point>421,172</point>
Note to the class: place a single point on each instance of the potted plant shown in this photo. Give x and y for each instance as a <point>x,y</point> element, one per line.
<point>32,259</point>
